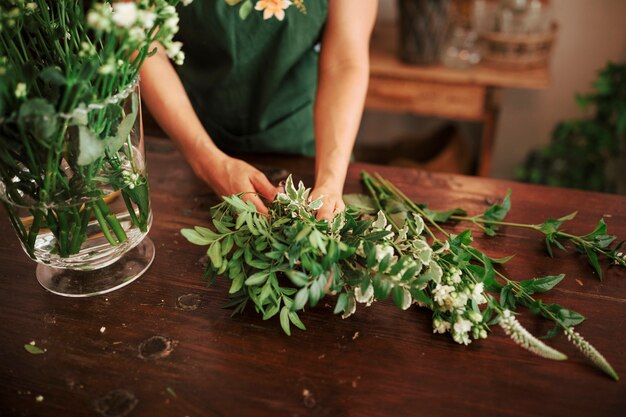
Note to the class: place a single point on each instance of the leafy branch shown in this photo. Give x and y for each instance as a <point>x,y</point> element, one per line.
<point>378,247</point>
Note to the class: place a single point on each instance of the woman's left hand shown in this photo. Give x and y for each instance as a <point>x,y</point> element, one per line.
<point>333,202</point>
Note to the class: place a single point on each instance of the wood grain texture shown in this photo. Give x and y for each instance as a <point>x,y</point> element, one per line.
<point>380,362</point>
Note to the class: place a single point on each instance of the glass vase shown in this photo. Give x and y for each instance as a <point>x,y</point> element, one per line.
<point>75,188</point>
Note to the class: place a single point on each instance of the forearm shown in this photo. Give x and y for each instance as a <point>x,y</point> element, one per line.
<point>338,111</point>
<point>342,85</point>
<point>165,97</point>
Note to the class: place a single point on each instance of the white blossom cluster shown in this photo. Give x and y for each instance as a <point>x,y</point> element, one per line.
<point>455,306</point>
<point>525,339</point>
<point>18,8</point>
<point>136,22</point>
<point>132,179</point>
<point>589,351</point>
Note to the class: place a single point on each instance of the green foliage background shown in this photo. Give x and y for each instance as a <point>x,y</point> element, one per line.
<point>587,153</point>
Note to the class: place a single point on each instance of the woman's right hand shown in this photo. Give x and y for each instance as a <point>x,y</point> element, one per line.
<point>230,175</point>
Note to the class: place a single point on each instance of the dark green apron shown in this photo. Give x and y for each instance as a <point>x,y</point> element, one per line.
<point>252,82</point>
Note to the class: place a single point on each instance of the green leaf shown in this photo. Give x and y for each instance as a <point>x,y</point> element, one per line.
<point>207,233</point>
<point>316,292</point>
<point>342,302</point>
<point>237,284</point>
<point>592,257</point>
<point>236,202</point>
<point>555,331</point>
<point>360,203</point>
<point>300,279</point>
<point>227,244</point>
<point>382,287</point>
<point>444,215</point>
<point>245,9</point>
<point>271,312</point>
<point>194,237</point>
<point>220,227</point>
<point>215,254</point>
<point>38,117</point>
<point>540,285</point>
<point>295,320</point>
<point>507,298</point>
<point>497,212</point>
<point>570,318</point>
<point>233,2</point>
<point>300,300</point>
<point>284,320</point>
<point>257,278</point>
<point>34,350</point>
<point>397,293</point>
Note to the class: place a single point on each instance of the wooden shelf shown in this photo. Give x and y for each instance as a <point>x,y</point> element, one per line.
<point>384,62</point>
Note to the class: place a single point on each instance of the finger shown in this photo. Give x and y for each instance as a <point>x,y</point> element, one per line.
<point>263,186</point>
<point>326,211</point>
<point>256,201</point>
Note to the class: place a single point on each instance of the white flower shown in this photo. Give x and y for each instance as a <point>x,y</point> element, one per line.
<point>172,23</point>
<point>273,8</point>
<point>461,338</point>
<point>30,7</point>
<point>441,293</point>
<point>478,293</point>
<point>124,14</point>
<point>440,326</point>
<point>20,90</point>
<point>107,68</point>
<point>146,18</point>
<point>186,2</point>
<point>99,17</point>
<point>168,11</point>
<point>136,34</point>
<point>179,59</point>
<point>86,50</point>
<point>459,299</point>
<point>173,49</point>
<point>462,325</point>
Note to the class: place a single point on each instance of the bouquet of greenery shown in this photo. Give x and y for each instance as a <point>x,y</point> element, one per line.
<point>385,244</point>
<point>68,104</point>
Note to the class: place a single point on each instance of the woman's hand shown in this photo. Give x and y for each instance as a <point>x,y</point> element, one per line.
<point>332,199</point>
<point>232,176</point>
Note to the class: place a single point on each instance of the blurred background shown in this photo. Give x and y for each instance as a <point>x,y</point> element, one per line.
<point>513,89</point>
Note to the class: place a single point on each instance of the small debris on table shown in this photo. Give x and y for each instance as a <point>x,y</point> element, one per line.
<point>39,398</point>
<point>102,329</point>
<point>33,349</point>
<point>355,336</point>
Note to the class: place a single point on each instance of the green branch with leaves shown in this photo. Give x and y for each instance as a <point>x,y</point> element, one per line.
<point>382,245</point>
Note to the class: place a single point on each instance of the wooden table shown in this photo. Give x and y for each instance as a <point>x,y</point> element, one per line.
<point>465,95</point>
<point>170,349</point>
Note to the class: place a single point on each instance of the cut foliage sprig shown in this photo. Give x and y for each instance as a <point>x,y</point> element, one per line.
<point>378,247</point>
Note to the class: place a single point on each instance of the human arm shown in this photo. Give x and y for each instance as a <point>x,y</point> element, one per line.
<point>342,85</point>
<point>163,93</point>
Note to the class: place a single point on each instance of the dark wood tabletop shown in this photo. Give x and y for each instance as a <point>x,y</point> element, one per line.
<point>168,348</point>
